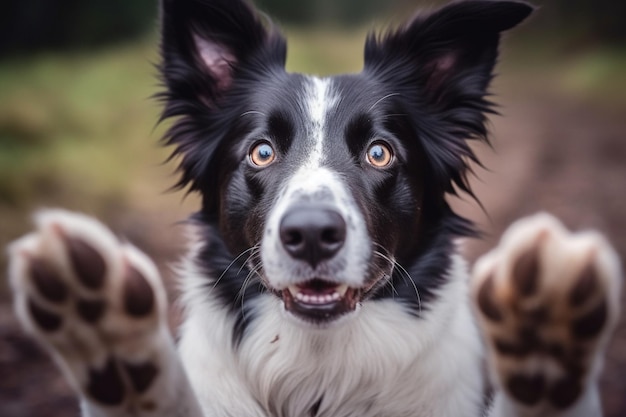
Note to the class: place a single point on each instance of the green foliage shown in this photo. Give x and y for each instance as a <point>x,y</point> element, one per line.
<point>73,124</point>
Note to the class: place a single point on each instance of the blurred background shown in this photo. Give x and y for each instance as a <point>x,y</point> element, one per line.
<point>77,130</point>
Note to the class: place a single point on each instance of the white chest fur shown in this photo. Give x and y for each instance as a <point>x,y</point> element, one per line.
<point>381,362</point>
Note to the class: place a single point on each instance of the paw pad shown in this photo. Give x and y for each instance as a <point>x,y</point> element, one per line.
<point>565,391</point>
<point>90,311</point>
<point>46,320</point>
<point>546,300</point>
<point>486,300</point>
<point>105,385</point>
<point>591,323</point>
<point>142,375</point>
<point>94,300</point>
<point>527,389</point>
<point>585,286</point>
<point>526,272</point>
<point>138,295</point>
<point>87,263</point>
<point>47,282</point>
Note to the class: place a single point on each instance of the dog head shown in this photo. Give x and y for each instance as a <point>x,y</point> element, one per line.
<point>325,190</point>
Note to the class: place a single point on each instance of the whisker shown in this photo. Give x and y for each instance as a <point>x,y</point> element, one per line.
<point>383,98</point>
<point>389,281</point>
<point>387,116</point>
<point>254,252</point>
<point>244,286</point>
<point>403,273</point>
<point>230,265</point>
<point>247,280</point>
<point>252,112</point>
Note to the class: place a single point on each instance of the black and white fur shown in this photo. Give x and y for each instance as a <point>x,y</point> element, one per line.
<point>320,284</point>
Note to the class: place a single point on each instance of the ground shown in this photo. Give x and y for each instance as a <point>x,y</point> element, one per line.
<point>556,152</point>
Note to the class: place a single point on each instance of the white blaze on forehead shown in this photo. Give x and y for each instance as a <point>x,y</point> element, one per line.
<point>314,182</point>
<point>320,99</point>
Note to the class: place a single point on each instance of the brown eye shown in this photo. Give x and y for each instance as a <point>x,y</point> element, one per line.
<point>379,155</point>
<point>262,154</point>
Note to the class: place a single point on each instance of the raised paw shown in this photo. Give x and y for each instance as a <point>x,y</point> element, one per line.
<point>96,304</point>
<point>547,301</point>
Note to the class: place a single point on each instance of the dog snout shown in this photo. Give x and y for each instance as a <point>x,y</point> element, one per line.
<point>312,233</point>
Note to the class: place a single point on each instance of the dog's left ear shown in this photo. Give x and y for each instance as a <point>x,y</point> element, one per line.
<point>441,64</point>
<point>449,53</point>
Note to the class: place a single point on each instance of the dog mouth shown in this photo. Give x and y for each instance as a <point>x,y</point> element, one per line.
<point>320,301</point>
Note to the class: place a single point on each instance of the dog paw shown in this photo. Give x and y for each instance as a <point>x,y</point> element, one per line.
<point>95,303</point>
<point>547,301</point>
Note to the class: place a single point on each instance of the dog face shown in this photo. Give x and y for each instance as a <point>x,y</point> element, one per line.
<point>328,191</point>
<point>332,225</point>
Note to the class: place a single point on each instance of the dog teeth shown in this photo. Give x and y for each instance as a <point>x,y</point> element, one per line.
<point>295,291</point>
<point>340,291</point>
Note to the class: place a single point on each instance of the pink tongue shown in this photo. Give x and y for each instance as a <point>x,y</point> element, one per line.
<point>317,287</point>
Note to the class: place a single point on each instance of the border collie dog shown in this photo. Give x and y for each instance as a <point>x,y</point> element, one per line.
<point>323,278</point>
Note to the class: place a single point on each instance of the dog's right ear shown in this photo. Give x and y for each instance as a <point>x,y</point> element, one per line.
<point>210,49</point>
<point>204,43</point>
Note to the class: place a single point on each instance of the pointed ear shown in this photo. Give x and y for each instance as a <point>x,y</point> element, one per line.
<point>448,53</point>
<point>205,43</point>
<point>208,49</point>
<point>441,64</point>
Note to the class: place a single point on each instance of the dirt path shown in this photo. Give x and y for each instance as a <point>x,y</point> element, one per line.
<point>551,154</point>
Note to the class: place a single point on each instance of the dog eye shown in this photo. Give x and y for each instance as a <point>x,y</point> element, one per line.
<point>262,154</point>
<point>379,155</point>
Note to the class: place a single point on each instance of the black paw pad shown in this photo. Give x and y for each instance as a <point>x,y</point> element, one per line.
<point>486,300</point>
<point>565,392</point>
<point>148,406</point>
<point>90,310</point>
<point>537,316</point>
<point>138,295</point>
<point>590,324</point>
<point>573,360</point>
<point>555,350</point>
<point>105,385</point>
<point>517,349</point>
<point>47,281</point>
<point>88,264</point>
<point>141,376</point>
<point>584,288</point>
<point>527,389</point>
<point>526,273</point>
<point>45,319</point>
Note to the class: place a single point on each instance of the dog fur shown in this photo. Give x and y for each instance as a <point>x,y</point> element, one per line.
<point>323,277</point>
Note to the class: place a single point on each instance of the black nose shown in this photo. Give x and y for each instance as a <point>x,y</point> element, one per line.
<point>312,233</point>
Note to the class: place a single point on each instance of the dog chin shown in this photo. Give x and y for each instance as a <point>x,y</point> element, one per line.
<point>313,323</point>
